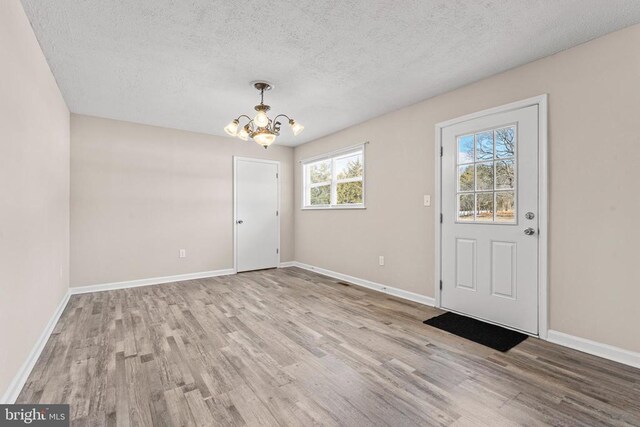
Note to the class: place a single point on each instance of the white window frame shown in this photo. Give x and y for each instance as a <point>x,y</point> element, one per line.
<point>333,156</point>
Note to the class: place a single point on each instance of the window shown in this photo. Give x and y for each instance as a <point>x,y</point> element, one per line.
<point>334,180</point>
<point>487,176</point>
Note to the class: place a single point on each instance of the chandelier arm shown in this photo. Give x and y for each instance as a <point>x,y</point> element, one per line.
<point>250,126</point>
<point>281,115</point>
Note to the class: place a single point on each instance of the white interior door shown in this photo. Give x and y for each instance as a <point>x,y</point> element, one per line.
<point>257,220</point>
<point>490,218</point>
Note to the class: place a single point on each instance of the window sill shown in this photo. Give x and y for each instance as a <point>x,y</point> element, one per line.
<point>333,208</point>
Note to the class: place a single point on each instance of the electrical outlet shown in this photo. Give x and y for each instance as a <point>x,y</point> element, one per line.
<point>427,200</point>
<point>381,260</point>
<point>183,253</point>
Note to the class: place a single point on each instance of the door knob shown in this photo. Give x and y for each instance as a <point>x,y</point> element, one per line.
<point>239,221</point>
<point>529,231</point>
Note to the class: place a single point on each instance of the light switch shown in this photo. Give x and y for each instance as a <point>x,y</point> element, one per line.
<point>427,200</point>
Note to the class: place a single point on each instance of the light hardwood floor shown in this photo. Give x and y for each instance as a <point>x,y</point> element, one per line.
<point>289,347</point>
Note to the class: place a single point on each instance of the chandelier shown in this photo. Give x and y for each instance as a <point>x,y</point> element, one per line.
<point>261,128</point>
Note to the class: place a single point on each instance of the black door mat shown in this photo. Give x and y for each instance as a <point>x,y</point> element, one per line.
<point>496,337</point>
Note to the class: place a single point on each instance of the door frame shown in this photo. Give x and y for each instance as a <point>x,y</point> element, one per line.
<point>235,206</point>
<point>543,200</point>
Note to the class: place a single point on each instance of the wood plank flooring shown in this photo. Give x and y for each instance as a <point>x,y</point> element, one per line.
<point>289,347</point>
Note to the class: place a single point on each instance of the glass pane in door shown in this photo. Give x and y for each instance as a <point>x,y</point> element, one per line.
<point>487,176</point>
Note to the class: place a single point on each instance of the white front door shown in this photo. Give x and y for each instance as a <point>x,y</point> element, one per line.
<point>256,214</point>
<point>490,218</point>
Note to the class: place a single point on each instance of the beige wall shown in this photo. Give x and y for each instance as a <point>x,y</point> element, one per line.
<point>140,193</point>
<point>34,192</point>
<point>594,155</point>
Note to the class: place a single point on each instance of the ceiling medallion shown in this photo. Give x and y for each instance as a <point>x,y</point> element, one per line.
<point>261,128</point>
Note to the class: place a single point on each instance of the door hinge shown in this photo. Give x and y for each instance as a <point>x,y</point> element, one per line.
<point>441,151</point>
<point>440,284</point>
<point>276,174</point>
<point>276,213</point>
<point>441,218</point>
<point>277,250</point>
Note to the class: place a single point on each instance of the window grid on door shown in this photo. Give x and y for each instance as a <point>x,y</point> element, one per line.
<point>486,176</point>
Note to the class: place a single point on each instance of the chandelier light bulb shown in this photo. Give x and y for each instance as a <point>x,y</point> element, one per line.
<point>264,138</point>
<point>297,128</point>
<point>232,128</point>
<point>243,134</point>
<point>261,119</point>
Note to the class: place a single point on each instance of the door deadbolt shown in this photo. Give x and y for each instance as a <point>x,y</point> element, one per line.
<point>239,221</point>
<point>529,215</point>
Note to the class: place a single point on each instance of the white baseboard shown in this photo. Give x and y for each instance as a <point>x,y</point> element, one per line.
<point>287,264</point>
<point>411,296</point>
<point>605,351</point>
<point>12,392</point>
<point>151,281</point>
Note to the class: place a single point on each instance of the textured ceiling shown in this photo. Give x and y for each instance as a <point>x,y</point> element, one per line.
<point>187,64</point>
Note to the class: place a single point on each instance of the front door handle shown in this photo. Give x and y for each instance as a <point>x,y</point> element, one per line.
<point>529,231</point>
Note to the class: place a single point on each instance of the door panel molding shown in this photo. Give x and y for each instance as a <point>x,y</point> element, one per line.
<point>466,279</point>
<point>236,159</point>
<point>541,102</point>
<point>503,280</point>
